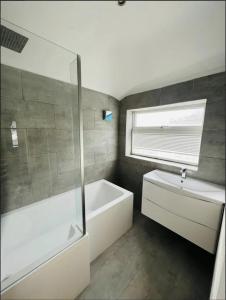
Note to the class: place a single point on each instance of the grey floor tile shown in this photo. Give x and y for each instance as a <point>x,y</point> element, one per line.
<point>150,262</point>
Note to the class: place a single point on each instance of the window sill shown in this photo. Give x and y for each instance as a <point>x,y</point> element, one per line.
<point>163,162</point>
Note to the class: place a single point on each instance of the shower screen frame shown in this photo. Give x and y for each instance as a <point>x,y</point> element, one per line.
<point>79,81</point>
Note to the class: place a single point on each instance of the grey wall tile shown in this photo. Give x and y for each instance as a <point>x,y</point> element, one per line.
<point>100,153</point>
<point>122,144</point>
<point>101,124</point>
<point>47,160</point>
<point>41,188</point>
<point>11,82</point>
<point>66,160</point>
<point>107,170</point>
<point>62,182</point>
<point>37,141</point>
<point>141,100</point>
<point>43,89</point>
<point>100,136</point>
<point>39,165</point>
<point>37,115</point>
<point>63,116</point>
<point>40,88</point>
<point>15,183</point>
<point>212,81</point>
<point>15,193</point>
<point>58,139</point>
<point>212,94</point>
<point>88,119</point>
<point>16,167</point>
<point>213,143</point>
<point>11,108</point>
<point>12,104</point>
<point>40,176</point>
<point>211,169</point>
<point>88,156</point>
<point>29,115</point>
<point>215,116</point>
<point>176,93</point>
<point>94,138</point>
<point>114,105</point>
<point>210,87</point>
<point>7,149</point>
<point>112,150</point>
<point>94,99</point>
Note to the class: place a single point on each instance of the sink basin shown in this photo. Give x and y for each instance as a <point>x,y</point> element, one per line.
<point>190,207</point>
<point>189,186</point>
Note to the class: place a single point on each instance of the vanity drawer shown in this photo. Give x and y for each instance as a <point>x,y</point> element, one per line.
<point>198,234</point>
<point>193,209</point>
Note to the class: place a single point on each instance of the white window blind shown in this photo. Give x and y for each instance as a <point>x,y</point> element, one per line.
<point>169,132</point>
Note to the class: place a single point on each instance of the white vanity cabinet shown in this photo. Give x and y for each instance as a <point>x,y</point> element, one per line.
<point>190,207</point>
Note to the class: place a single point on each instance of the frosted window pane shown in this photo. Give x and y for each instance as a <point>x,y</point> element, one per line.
<point>182,117</point>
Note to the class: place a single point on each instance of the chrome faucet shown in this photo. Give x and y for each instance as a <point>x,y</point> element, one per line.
<point>183,173</point>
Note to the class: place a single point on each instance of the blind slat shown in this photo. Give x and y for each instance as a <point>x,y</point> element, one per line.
<point>169,144</point>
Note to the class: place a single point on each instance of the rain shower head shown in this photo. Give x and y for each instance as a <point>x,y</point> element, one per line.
<point>12,40</point>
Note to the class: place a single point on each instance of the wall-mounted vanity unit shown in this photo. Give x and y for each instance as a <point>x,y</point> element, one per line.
<point>192,208</point>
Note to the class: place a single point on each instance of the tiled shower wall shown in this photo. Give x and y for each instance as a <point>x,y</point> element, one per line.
<point>46,162</point>
<point>212,156</point>
<point>100,137</point>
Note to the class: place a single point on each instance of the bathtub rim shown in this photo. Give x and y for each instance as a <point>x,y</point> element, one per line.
<point>125,194</point>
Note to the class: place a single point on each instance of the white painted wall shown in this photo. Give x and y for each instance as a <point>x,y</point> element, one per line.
<point>218,284</point>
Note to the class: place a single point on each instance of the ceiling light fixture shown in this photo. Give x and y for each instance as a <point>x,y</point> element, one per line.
<point>121,2</point>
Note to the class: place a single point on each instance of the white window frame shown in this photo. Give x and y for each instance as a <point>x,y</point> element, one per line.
<point>130,127</point>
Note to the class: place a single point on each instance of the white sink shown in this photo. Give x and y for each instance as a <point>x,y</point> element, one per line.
<point>192,208</point>
<point>189,186</point>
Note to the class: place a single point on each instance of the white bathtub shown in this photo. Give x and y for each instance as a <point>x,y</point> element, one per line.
<point>41,245</point>
<point>35,237</point>
<point>109,212</point>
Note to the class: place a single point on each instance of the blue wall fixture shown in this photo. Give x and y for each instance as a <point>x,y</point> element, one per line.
<point>107,115</point>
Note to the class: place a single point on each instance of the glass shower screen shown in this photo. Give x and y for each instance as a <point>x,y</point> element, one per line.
<point>41,185</point>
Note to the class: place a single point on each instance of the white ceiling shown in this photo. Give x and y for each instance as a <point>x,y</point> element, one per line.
<point>139,46</point>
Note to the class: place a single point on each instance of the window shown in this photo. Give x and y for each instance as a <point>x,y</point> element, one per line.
<point>169,132</point>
